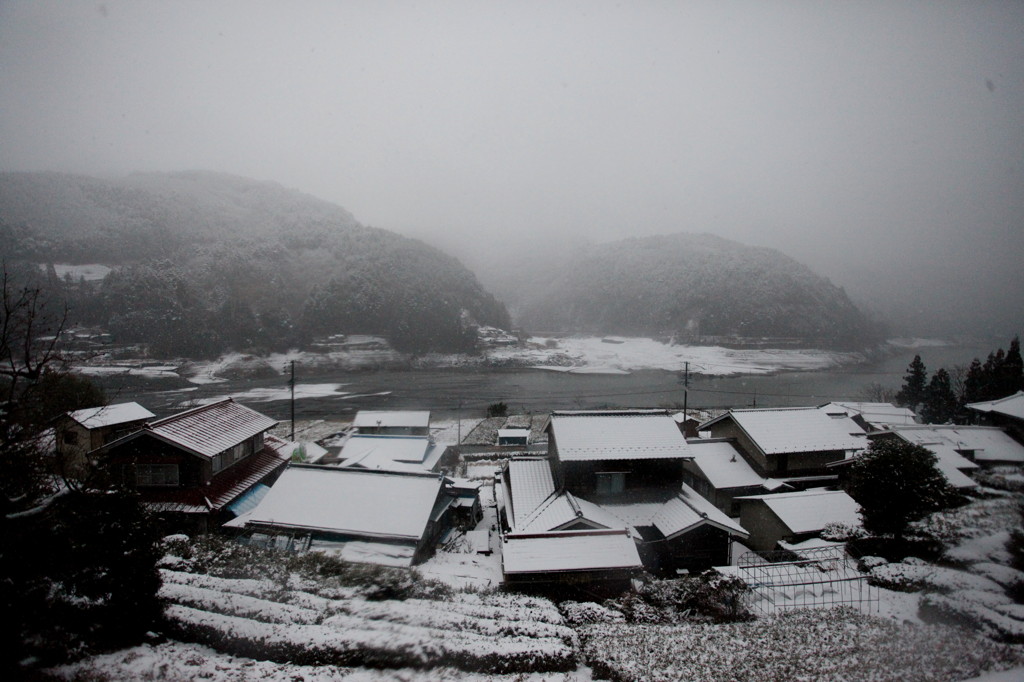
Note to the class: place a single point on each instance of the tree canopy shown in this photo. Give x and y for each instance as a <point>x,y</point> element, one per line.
<point>896,483</point>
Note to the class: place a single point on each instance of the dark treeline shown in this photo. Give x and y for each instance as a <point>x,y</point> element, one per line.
<point>204,263</point>
<point>693,286</point>
<point>942,398</point>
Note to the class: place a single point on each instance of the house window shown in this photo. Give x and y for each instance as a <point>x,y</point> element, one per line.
<point>156,474</point>
<point>611,482</point>
<point>70,437</point>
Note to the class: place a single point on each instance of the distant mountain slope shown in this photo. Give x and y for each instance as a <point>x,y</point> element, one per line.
<point>694,286</point>
<point>204,262</point>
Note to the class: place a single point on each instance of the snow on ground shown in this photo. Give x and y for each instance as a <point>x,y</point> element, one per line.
<point>180,662</point>
<point>130,369</point>
<point>592,354</point>
<point>90,272</point>
<point>585,355</point>
<point>457,565</point>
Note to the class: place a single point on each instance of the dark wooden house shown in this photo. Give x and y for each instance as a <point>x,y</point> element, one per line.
<point>190,468</point>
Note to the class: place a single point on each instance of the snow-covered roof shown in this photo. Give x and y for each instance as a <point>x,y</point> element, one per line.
<point>722,465</point>
<point>882,415</point>
<point>111,415</point>
<point>809,511</point>
<point>208,430</point>
<point>384,452</point>
<point>984,443</point>
<point>570,551</point>
<point>531,483</point>
<point>392,419</point>
<point>1011,405</point>
<point>564,509</point>
<point>688,510</point>
<point>793,429</point>
<point>593,436</point>
<point>380,504</point>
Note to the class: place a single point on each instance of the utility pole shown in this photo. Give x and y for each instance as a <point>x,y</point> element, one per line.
<point>686,392</point>
<point>291,382</point>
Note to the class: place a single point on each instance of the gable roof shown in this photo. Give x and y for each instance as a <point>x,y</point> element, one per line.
<point>110,415</point>
<point>598,436</point>
<point>688,510</point>
<point>392,418</point>
<point>205,431</point>
<point>369,503</point>
<point>1010,406</point>
<point>226,487</point>
<point>793,429</point>
<point>809,511</point>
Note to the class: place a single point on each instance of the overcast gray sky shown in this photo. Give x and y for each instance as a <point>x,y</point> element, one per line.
<point>851,135</point>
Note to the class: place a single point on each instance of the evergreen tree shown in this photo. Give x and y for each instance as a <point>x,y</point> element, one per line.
<point>1010,378</point>
<point>940,403</point>
<point>896,483</point>
<point>915,384</point>
<point>974,383</point>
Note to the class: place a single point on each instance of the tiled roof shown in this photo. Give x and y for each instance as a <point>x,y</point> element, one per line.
<point>392,419</point>
<point>225,487</point>
<point>688,510</point>
<point>810,511</point>
<point>722,465</point>
<point>570,551</point>
<point>802,429</point>
<point>596,436</point>
<point>1011,406</point>
<point>111,415</point>
<point>211,429</point>
<point>366,503</point>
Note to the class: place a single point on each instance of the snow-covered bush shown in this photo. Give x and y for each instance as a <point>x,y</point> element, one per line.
<point>589,613</point>
<point>842,532</point>
<point>962,610</point>
<point>836,644</point>
<point>221,557</point>
<point>866,563</point>
<point>709,596</point>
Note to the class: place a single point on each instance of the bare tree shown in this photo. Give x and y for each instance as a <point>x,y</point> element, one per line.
<point>29,349</point>
<point>877,393</point>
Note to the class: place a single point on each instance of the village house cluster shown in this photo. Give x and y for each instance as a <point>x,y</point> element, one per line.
<point>600,496</point>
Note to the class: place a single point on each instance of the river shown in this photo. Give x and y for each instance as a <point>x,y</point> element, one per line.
<point>468,391</point>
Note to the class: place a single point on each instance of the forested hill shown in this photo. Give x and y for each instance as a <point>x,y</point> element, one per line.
<point>205,262</point>
<point>694,286</point>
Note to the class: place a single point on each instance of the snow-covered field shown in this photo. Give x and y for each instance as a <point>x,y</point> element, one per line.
<point>592,354</point>
<point>584,355</point>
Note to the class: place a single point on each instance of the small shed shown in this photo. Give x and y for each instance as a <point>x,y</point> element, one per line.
<point>794,517</point>
<point>513,437</point>
<point>384,516</point>
<point>83,431</point>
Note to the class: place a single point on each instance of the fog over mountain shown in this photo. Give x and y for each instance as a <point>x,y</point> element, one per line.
<point>880,143</point>
<point>695,288</point>
<point>206,262</point>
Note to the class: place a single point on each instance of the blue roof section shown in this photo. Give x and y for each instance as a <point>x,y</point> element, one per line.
<point>249,500</point>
